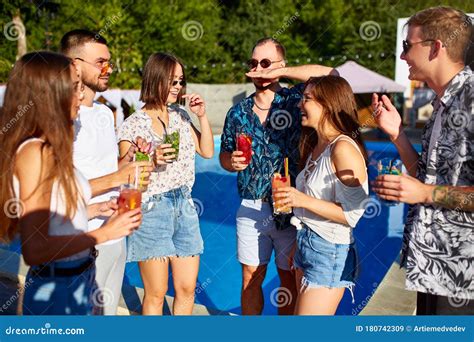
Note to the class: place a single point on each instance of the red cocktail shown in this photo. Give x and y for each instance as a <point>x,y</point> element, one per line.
<point>244,144</point>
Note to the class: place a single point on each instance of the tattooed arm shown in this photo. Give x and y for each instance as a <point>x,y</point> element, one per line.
<point>407,189</point>
<point>454,197</point>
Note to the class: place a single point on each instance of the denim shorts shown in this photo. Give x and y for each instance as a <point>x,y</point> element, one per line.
<point>54,295</point>
<point>324,264</point>
<point>258,237</point>
<point>170,227</point>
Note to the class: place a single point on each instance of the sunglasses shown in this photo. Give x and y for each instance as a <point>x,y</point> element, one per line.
<point>104,68</point>
<point>264,63</point>
<point>407,45</point>
<point>182,83</point>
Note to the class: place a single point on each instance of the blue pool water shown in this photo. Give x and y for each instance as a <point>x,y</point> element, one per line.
<point>378,237</point>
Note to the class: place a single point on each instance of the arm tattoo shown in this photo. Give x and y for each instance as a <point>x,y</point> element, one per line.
<point>459,198</point>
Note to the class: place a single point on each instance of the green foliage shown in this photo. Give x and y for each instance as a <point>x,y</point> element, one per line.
<point>214,38</point>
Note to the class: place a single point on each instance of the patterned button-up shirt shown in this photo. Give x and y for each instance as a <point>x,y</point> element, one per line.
<point>438,246</point>
<point>276,139</point>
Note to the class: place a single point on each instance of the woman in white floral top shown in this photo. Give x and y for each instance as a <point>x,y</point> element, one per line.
<point>169,233</point>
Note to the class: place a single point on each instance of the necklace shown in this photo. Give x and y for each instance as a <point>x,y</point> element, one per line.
<point>256,105</point>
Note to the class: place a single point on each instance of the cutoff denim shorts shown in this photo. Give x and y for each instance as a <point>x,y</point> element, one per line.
<point>170,227</point>
<point>53,295</point>
<point>324,264</point>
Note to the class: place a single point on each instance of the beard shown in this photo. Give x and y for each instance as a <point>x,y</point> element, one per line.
<point>95,85</point>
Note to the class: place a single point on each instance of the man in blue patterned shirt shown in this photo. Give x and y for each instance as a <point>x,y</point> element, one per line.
<point>271,117</point>
<point>438,243</point>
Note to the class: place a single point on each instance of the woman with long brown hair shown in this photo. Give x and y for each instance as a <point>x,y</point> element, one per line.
<point>329,195</point>
<point>44,197</point>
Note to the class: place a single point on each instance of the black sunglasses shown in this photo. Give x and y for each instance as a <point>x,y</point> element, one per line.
<point>407,45</point>
<point>265,63</point>
<point>182,83</point>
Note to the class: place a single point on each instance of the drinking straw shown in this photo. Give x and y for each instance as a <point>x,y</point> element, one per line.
<point>136,177</point>
<point>286,167</point>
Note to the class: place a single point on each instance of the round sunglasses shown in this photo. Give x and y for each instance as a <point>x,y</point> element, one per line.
<point>104,68</point>
<point>264,63</point>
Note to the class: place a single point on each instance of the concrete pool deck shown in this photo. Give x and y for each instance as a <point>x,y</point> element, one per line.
<point>390,298</point>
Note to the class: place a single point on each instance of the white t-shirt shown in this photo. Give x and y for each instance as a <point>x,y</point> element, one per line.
<point>96,151</point>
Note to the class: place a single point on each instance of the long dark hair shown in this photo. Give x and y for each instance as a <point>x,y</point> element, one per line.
<point>37,103</point>
<point>339,111</point>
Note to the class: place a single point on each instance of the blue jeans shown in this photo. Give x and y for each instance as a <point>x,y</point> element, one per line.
<point>58,295</point>
<point>170,227</point>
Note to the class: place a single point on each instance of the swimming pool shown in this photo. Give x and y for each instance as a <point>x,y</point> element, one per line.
<point>378,237</point>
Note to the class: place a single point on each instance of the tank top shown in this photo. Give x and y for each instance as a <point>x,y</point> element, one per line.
<point>57,224</point>
<point>318,179</point>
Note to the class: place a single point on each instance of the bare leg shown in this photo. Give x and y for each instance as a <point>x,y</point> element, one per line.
<point>155,280</point>
<point>185,272</point>
<point>252,294</point>
<point>319,301</point>
<point>288,292</point>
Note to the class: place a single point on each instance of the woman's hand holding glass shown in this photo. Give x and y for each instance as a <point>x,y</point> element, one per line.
<point>159,156</point>
<point>289,197</point>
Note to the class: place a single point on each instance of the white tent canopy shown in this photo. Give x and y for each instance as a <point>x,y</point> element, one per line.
<point>363,80</point>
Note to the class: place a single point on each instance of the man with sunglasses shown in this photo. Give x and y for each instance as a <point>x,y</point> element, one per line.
<point>438,246</point>
<point>272,118</point>
<point>96,156</point>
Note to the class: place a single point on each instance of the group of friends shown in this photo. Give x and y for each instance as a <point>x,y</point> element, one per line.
<point>62,165</point>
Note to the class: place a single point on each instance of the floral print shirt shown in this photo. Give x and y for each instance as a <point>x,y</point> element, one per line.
<point>174,175</point>
<point>438,243</point>
<point>276,139</point>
